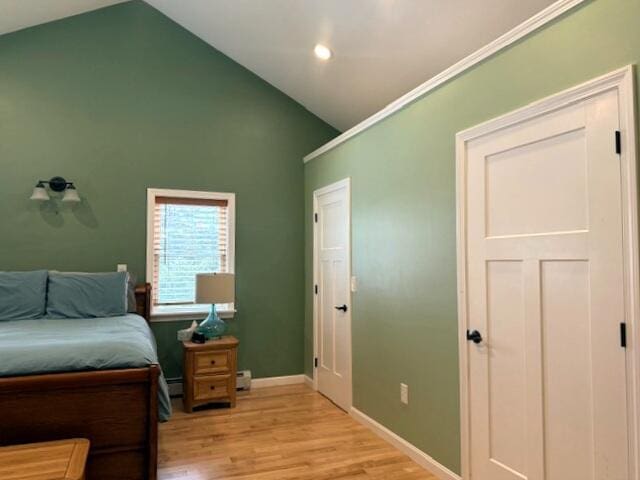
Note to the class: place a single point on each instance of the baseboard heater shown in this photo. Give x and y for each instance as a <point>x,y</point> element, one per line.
<point>175,387</point>
<point>243,383</point>
<point>243,380</point>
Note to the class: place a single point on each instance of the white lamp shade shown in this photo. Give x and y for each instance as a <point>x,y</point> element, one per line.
<point>215,288</point>
<point>40,194</point>
<point>71,195</point>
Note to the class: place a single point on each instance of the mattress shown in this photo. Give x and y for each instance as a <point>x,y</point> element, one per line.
<point>29,347</point>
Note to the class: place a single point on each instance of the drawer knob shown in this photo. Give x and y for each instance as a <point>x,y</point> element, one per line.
<point>213,362</point>
<point>212,387</point>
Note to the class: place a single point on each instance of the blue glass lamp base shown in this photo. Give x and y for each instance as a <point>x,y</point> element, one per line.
<point>212,327</point>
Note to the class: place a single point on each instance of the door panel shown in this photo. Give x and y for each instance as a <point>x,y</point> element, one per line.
<point>544,203</point>
<point>332,277</point>
<point>327,317</point>
<point>568,406</point>
<point>545,288</point>
<point>507,395</point>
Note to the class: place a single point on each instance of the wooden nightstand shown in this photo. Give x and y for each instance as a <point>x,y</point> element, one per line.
<point>209,372</point>
<point>62,460</point>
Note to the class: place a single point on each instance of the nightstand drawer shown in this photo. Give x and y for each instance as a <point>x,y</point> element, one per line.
<point>210,363</point>
<point>205,388</point>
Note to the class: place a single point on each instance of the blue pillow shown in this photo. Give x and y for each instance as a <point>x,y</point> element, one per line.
<point>86,295</point>
<point>22,295</point>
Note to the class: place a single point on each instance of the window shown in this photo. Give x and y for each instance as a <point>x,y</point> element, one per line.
<point>187,233</point>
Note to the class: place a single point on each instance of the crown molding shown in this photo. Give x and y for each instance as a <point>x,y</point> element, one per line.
<point>540,19</point>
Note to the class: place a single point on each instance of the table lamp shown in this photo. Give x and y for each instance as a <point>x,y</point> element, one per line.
<point>214,288</point>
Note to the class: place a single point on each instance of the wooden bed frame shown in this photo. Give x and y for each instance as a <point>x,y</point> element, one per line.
<point>117,410</point>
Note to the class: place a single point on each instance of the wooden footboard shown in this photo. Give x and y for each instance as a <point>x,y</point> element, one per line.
<point>117,410</point>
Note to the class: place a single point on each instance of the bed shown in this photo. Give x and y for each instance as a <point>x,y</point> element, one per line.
<point>99,380</point>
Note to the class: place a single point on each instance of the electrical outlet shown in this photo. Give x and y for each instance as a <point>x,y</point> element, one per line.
<point>122,267</point>
<point>404,393</point>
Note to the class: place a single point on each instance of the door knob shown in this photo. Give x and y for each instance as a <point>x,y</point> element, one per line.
<point>474,336</point>
<point>341,307</point>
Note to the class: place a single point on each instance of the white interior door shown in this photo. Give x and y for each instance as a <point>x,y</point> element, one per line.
<point>333,298</point>
<point>545,290</point>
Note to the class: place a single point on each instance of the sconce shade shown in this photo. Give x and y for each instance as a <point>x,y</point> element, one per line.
<point>56,184</point>
<point>215,288</point>
<point>40,193</point>
<point>71,194</point>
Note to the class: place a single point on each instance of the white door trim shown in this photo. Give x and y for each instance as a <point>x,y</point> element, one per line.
<point>345,183</point>
<point>621,81</point>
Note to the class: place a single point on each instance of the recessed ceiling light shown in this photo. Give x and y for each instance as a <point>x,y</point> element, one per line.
<point>322,52</point>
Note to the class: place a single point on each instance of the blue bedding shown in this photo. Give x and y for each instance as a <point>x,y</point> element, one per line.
<point>46,345</point>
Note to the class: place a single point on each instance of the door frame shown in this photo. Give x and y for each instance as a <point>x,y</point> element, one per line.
<point>622,81</point>
<point>344,183</point>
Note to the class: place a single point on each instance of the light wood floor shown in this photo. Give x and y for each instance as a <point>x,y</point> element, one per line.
<point>278,433</point>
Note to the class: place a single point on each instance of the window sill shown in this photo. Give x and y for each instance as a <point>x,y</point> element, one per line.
<point>189,312</point>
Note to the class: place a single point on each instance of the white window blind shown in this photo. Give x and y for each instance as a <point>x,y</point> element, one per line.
<point>190,236</point>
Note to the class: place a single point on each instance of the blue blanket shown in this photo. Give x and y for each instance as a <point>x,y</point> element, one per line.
<point>29,347</point>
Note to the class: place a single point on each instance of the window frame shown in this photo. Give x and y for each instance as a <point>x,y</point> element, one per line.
<point>188,312</point>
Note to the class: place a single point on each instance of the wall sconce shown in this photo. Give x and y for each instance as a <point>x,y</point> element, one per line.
<point>56,184</point>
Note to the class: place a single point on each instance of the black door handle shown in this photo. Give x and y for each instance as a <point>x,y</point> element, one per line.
<point>341,307</point>
<point>474,336</point>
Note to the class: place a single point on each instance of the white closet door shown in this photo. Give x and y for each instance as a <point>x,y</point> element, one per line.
<point>333,303</point>
<point>545,291</point>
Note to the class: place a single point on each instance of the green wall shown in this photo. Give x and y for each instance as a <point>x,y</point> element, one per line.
<point>404,233</point>
<point>122,99</point>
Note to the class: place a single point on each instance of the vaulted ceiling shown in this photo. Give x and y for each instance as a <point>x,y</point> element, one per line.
<point>381,48</point>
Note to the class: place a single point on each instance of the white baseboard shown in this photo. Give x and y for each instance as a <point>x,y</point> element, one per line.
<point>405,447</point>
<point>276,381</point>
<point>308,381</point>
